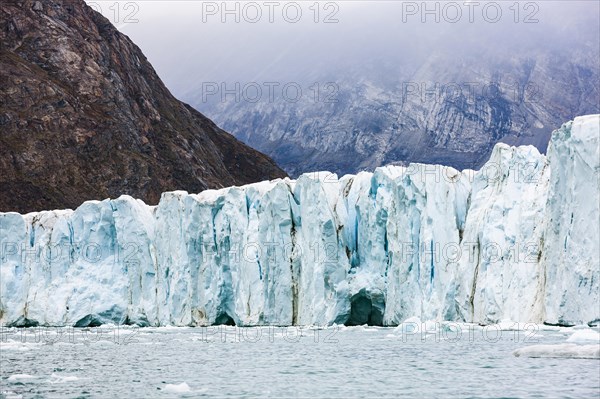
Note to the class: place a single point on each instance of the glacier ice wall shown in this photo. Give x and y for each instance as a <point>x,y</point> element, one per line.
<point>517,240</point>
<point>571,252</point>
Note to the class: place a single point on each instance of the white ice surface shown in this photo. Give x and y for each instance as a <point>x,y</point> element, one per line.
<point>567,351</point>
<point>585,335</point>
<point>177,388</point>
<point>516,240</point>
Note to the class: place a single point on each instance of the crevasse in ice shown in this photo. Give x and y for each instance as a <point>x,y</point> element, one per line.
<point>517,240</point>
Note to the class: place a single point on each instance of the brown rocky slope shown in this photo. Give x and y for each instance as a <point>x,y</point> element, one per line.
<point>83,115</point>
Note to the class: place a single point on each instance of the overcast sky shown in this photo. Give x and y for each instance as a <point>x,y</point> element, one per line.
<point>193,41</point>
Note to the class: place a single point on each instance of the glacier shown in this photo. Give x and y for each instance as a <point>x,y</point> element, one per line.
<point>517,240</point>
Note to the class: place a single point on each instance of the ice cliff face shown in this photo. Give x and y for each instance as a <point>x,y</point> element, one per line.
<point>515,240</point>
<point>571,250</point>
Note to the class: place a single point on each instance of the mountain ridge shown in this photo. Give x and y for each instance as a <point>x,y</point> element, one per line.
<point>83,115</point>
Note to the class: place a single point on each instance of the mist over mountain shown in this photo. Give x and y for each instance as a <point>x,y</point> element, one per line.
<point>381,82</point>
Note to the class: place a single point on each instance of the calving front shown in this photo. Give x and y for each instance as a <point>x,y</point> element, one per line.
<point>517,240</point>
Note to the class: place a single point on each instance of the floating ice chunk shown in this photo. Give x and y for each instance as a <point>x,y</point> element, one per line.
<point>17,377</point>
<point>59,379</point>
<point>177,388</point>
<point>566,351</point>
<point>19,345</point>
<point>584,335</point>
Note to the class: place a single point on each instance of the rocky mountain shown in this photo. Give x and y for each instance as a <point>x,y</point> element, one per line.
<point>83,115</point>
<point>378,86</point>
<point>445,111</point>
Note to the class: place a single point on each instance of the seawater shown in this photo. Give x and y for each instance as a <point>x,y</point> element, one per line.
<point>282,362</point>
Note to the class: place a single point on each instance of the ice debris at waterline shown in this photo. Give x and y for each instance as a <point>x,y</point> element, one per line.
<point>517,240</point>
<point>567,351</point>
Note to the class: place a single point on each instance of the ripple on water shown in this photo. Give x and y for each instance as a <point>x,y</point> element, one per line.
<point>363,362</point>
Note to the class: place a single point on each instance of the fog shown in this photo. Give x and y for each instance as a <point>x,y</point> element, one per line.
<point>190,42</point>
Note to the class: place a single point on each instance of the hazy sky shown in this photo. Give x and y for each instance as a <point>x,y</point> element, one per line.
<point>189,42</point>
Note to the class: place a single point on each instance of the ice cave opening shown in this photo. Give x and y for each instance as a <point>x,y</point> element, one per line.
<point>224,320</point>
<point>366,308</point>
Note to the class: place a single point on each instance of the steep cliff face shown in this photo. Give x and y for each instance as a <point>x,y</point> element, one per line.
<point>84,115</point>
<point>572,230</point>
<point>516,240</point>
